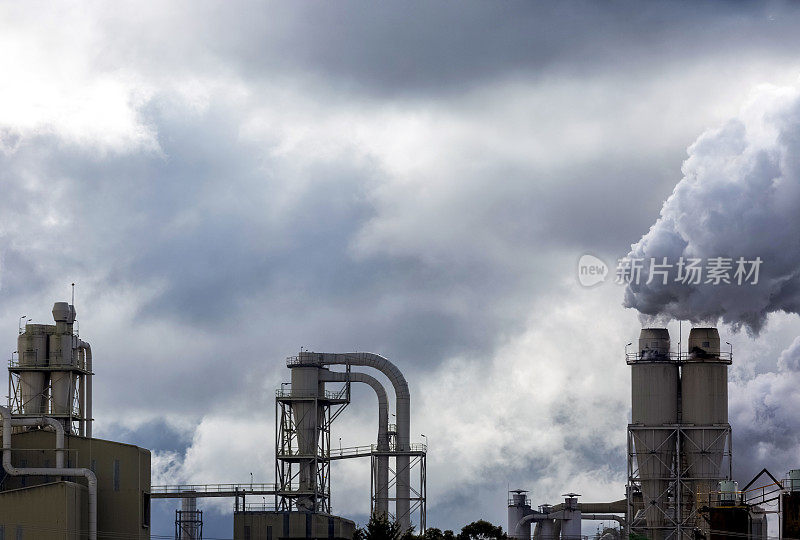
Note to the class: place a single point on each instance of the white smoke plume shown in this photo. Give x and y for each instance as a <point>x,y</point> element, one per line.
<point>739,197</point>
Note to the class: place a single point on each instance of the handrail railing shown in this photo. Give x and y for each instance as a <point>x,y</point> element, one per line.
<point>649,355</point>
<point>211,488</point>
<point>286,392</point>
<point>257,507</point>
<point>16,363</point>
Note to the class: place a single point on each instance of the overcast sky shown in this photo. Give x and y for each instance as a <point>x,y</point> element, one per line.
<point>227,182</point>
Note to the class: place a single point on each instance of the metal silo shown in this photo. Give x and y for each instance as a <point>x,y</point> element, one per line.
<point>519,506</point>
<point>63,343</point>
<point>306,388</point>
<point>654,406</point>
<point>704,411</point>
<point>32,350</point>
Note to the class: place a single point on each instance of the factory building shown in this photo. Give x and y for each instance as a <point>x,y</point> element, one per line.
<point>57,482</point>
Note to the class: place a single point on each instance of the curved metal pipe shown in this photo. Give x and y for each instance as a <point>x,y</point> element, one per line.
<point>88,348</point>
<point>46,421</point>
<point>533,516</point>
<point>403,398</point>
<point>382,480</point>
<point>91,479</point>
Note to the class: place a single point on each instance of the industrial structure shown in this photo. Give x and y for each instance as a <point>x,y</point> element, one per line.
<point>59,482</point>
<point>305,409</point>
<point>56,480</point>
<point>679,458</point>
<point>679,439</point>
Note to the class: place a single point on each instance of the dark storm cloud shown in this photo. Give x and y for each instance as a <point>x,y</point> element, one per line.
<point>208,254</point>
<point>430,48</point>
<point>201,223</point>
<point>156,435</point>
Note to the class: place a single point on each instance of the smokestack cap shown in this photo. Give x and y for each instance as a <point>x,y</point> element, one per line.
<point>704,342</point>
<point>63,312</point>
<point>654,342</point>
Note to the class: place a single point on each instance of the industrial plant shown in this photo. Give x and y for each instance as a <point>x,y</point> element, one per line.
<point>679,465</point>
<point>58,481</point>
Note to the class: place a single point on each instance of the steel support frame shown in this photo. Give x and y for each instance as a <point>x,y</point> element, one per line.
<point>419,497</point>
<point>188,525</point>
<point>75,420</point>
<point>681,515</point>
<point>288,459</point>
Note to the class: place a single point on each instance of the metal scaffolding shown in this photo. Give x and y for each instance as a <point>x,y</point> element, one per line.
<point>288,458</point>
<point>75,418</point>
<point>681,448</point>
<point>188,525</point>
<point>417,460</point>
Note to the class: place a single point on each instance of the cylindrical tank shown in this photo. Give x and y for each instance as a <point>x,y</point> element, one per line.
<point>518,508</point>
<point>308,419</point>
<point>571,524</point>
<point>654,403</point>
<point>32,350</point>
<point>62,353</point>
<point>704,411</point>
<point>547,529</point>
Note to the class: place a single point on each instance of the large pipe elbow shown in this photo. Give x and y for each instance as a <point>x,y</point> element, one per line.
<point>382,472</point>
<point>380,392</point>
<point>533,516</point>
<point>391,371</point>
<point>403,398</point>
<point>91,479</point>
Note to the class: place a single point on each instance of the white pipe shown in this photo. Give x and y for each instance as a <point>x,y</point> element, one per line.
<point>403,398</point>
<point>533,516</point>
<point>46,421</point>
<point>603,517</point>
<point>382,480</point>
<point>91,479</point>
<point>88,348</point>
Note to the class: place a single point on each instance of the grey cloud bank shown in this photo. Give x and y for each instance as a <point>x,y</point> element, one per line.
<point>227,182</point>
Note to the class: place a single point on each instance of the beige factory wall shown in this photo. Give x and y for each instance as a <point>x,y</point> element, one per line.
<point>122,470</point>
<point>272,526</point>
<point>55,511</point>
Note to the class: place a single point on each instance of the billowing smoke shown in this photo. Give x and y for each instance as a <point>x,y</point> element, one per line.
<point>738,200</point>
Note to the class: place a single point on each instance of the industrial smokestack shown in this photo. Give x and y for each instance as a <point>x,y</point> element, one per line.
<point>704,411</point>
<point>654,404</point>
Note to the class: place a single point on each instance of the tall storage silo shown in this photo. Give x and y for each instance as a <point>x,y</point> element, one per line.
<point>654,404</point>
<point>519,506</point>
<point>63,345</point>
<point>32,350</point>
<point>308,420</point>
<point>704,412</point>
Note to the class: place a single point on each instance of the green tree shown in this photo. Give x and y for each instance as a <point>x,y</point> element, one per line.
<point>381,528</point>
<point>432,533</point>
<point>482,530</point>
